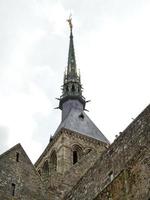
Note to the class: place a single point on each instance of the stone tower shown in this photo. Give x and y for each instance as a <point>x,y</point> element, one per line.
<point>76,135</point>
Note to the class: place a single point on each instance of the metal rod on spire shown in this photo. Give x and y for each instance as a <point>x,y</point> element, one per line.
<point>70,22</point>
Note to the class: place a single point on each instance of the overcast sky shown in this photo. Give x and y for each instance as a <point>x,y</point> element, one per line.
<point>112,46</point>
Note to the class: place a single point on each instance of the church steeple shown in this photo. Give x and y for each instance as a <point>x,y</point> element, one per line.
<point>72,88</point>
<point>71,68</point>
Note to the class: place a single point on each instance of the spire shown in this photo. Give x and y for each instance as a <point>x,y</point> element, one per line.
<point>72,88</point>
<point>72,103</point>
<point>71,67</point>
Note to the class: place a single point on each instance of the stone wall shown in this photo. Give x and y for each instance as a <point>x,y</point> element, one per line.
<point>116,159</point>
<point>63,144</point>
<point>73,175</point>
<point>18,177</point>
<point>133,182</point>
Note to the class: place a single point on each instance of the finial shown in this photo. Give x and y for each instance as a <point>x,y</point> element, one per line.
<point>70,22</point>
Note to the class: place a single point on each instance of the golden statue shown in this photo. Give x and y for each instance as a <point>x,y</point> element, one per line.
<point>70,22</point>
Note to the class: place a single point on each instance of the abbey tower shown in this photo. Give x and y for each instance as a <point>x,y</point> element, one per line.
<point>76,135</point>
<point>79,163</point>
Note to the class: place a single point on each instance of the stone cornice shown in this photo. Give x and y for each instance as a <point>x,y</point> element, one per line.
<point>72,134</point>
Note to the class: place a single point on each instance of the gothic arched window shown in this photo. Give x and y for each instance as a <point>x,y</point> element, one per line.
<point>76,153</point>
<point>46,167</point>
<point>53,161</point>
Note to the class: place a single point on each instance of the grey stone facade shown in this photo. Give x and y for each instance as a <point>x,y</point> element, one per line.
<point>63,144</point>
<point>18,178</point>
<point>123,170</point>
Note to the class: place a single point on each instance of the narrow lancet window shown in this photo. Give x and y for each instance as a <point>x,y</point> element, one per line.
<point>75,157</point>
<point>46,167</point>
<point>13,187</point>
<point>76,153</point>
<point>53,161</point>
<point>17,157</point>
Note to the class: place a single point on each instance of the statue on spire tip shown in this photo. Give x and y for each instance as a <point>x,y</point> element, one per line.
<point>70,22</point>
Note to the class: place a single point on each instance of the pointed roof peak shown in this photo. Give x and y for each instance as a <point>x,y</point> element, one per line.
<point>71,67</point>
<point>77,120</point>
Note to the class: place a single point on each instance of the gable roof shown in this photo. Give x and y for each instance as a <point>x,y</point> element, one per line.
<point>78,121</point>
<point>21,172</point>
<point>17,146</point>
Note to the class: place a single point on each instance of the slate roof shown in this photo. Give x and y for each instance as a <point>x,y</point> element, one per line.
<point>78,121</point>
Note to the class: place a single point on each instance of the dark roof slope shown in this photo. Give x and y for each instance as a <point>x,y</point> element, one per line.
<point>78,121</point>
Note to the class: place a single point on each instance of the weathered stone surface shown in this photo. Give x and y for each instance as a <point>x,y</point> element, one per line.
<point>74,174</point>
<point>133,182</point>
<point>120,171</point>
<point>66,174</point>
<point>18,178</point>
<point>63,144</point>
<point>134,141</point>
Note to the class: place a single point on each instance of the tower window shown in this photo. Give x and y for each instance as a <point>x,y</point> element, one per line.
<point>53,161</point>
<point>17,157</point>
<point>13,186</point>
<point>76,153</point>
<point>46,167</point>
<point>75,157</point>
